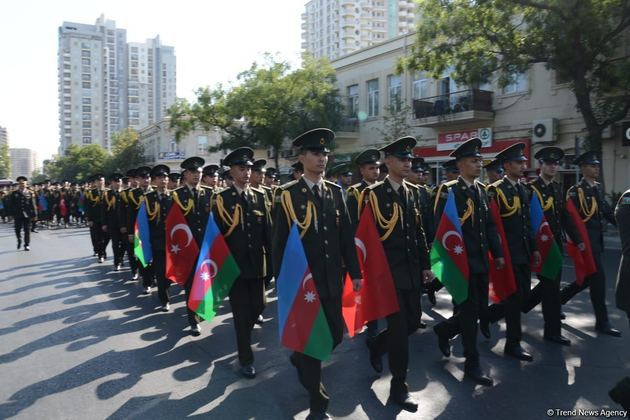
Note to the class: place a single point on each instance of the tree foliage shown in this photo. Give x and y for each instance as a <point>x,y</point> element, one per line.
<point>79,162</point>
<point>581,40</point>
<point>5,161</point>
<point>268,104</point>
<point>127,152</point>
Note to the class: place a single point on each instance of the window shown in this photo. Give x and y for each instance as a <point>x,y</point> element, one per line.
<point>172,146</point>
<point>372,89</point>
<point>86,85</point>
<point>395,92</point>
<point>353,100</point>
<point>87,140</point>
<point>202,145</point>
<point>86,101</point>
<point>420,87</point>
<point>518,85</point>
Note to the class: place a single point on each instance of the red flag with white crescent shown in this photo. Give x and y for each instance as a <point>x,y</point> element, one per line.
<point>181,248</point>
<point>582,260</point>
<point>502,282</point>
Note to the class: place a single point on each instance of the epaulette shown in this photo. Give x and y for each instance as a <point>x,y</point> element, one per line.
<point>357,185</point>
<point>411,185</point>
<point>496,183</point>
<point>572,191</point>
<point>375,185</point>
<point>258,190</point>
<point>332,184</point>
<point>265,188</point>
<point>288,184</point>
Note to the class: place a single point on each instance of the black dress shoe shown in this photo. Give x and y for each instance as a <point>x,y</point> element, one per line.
<point>607,329</point>
<point>318,415</point>
<point>375,358</point>
<point>558,339</point>
<point>195,331</point>
<point>405,401</point>
<point>484,327</point>
<point>422,325</point>
<point>475,374</point>
<point>443,343</point>
<point>248,371</point>
<point>519,353</point>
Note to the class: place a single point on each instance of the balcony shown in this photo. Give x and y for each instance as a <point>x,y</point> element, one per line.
<point>456,107</point>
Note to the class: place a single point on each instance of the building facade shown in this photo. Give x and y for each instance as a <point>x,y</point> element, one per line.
<point>536,109</point>
<point>334,28</point>
<point>4,137</point>
<point>23,162</point>
<point>106,84</point>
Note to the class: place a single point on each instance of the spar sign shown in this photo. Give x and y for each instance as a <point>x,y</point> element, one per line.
<point>450,140</point>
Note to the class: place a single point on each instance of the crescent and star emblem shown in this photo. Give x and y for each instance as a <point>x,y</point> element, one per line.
<point>309,296</point>
<point>183,227</point>
<point>458,249</point>
<point>212,269</point>
<point>359,244</point>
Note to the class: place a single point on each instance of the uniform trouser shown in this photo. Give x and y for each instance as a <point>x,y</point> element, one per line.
<point>133,263</point>
<point>159,270</point>
<point>464,319</point>
<point>247,299</point>
<point>193,318</point>
<point>309,369</point>
<point>597,284</point>
<point>395,339</point>
<point>147,274</point>
<point>118,244</point>
<point>511,308</point>
<point>99,239</point>
<point>547,291</point>
<point>23,223</point>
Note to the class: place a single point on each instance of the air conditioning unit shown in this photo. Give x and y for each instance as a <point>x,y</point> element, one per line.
<point>545,131</point>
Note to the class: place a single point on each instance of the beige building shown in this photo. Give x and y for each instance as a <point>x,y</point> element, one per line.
<point>23,162</point>
<point>536,109</point>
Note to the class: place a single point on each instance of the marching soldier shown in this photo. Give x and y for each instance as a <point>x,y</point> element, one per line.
<point>297,169</point>
<point>512,199</point>
<point>418,177</point>
<point>210,177</point>
<point>368,163</point>
<point>173,180</point>
<point>95,217</point>
<point>589,200</point>
<point>194,202</point>
<point>327,235</point>
<point>135,196</point>
<point>257,181</point>
<point>125,210</point>
<point>270,178</point>
<point>550,195</point>
<point>494,170</point>
<point>243,217</point>
<point>22,204</point>
<point>158,202</point>
<point>622,216</point>
<point>451,172</point>
<point>114,218</point>
<point>479,236</point>
<point>398,219</point>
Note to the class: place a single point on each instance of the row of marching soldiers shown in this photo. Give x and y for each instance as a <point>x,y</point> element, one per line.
<point>256,222</point>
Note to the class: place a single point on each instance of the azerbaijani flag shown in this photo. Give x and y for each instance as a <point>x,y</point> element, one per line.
<point>449,260</point>
<point>81,204</point>
<point>215,273</point>
<point>302,324</point>
<point>141,237</point>
<point>550,255</point>
<point>42,202</point>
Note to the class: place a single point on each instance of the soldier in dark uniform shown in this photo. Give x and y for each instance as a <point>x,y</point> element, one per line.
<point>24,211</point>
<point>297,169</point>
<point>127,206</point>
<point>194,201</point>
<point>622,215</point>
<point>590,203</point>
<point>96,217</point>
<point>327,236</point>
<point>270,178</point>
<point>494,170</point>
<point>368,162</point>
<point>135,197</point>
<point>210,177</point>
<point>450,170</point>
<point>243,218</point>
<point>512,198</point>
<point>417,177</point>
<point>399,222</point>
<point>114,218</point>
<point>173,180</point>
<point>256,181</point>
<point>158,202</point>
<point>480,236</point>
<point>550,195</point>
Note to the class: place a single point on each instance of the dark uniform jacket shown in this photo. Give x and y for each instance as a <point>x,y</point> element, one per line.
<point>246,226</point>
<point>195,211</point>
<point>158,206</point>
<point>478,228</point>
<point>113,208</point>
<point>553,204</point>
<point>135,197</point>
<point>328,237</point>
<point>403,239</point>
<point>593,209</point>
<point>22,204</point>
<point>94,201</point>
<point>353,196</point>
<point>513,202</point>
<point>424,195</point>
<point>622,215</point>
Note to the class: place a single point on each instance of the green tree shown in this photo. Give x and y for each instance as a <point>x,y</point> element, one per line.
<point>37,176</point>
<point>5,161</point>
<point>79,162</point>
<point>580,39</point>
<point>127,152</point>
<point>269,104</point>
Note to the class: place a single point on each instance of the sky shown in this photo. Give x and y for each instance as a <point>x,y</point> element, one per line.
<point>214,40</point>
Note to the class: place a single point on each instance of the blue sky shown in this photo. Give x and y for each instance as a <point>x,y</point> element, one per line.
<point>214,40</point>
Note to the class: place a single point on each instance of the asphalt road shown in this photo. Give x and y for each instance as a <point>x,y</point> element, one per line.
<point>80,341</point>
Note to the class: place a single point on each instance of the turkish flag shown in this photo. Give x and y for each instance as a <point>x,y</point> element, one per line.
<point>377,298</point>
<point>181,248</point>
<point>582,260</point>
<point>502,282</point>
